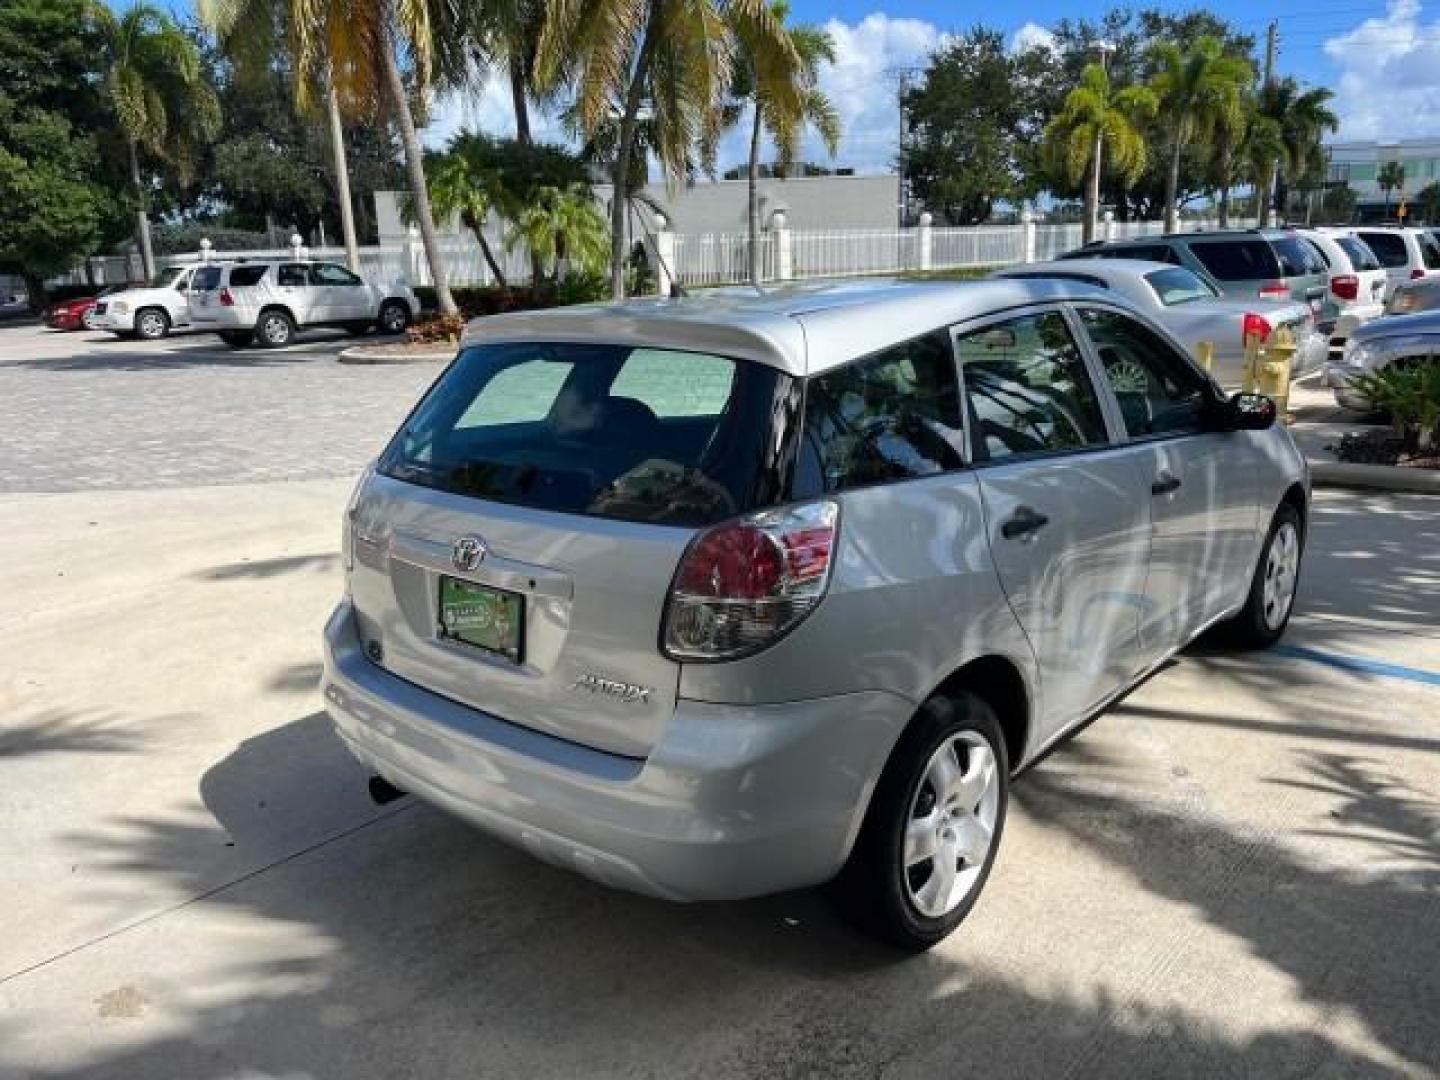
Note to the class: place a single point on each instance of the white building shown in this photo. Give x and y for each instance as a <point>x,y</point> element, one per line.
<point>1358,165</point>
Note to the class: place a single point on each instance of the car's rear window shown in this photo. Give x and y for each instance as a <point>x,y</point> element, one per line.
<point>1178,286</point>
<point>1237,260</point>
<point>1358,252</point>
<point>1297,258</point>
<point>1430,250</point>
<point>243,276</point>
<point>1389,248</point>
<point>616,431</point>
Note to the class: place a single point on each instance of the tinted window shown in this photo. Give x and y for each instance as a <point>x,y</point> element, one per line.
<point>1389,248</point>
<point>1149,252</point>
<point>1358,252</point>
<point>1237,260</point>
<point>892,416</point>
<point>1027,389</point>
<point>244,276</point>
<point>330,274</point>
<point>1296,257</point>
<point>544,425</point>
<point>1318,254</point>
<point>1431,251</point>
<point>291,275</point>
<point>1157,389</point>
<point>206,277</point>
<point>1178,286</point>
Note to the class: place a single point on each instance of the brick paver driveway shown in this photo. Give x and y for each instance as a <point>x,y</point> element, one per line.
<point>82,411</point>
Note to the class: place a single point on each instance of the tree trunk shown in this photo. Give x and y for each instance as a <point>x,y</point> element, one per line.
<point>415,171</point>
<point>753,196</point>
<point>34,291</point>
<point>1090,229</point>
<point>1272,185</point>
<point>477,226</point>
<point>142,219</point>
<point>1172,189</point>
<point>342,182</point>
<point>620,197</point>
<point>520,100</point>
<point>1224,206</point>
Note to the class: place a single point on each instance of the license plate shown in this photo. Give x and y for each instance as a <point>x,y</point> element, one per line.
<point>489,619</point>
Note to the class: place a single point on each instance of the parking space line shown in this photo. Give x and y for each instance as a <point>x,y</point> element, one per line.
<point>1359,664</point>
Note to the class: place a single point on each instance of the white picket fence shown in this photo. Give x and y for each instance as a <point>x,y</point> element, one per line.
<point>701,259</point>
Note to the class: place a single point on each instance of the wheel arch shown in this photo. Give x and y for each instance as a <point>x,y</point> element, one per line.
<point>283,308</point>
<point>1002,683</point>
<point>1296,496</point>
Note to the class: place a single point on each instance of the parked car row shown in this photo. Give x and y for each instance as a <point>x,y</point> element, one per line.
<point>262,302</point>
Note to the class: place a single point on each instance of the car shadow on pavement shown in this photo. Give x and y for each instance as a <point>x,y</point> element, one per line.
<point>248,569</point>
<point>397,941</point>
<point>196,356</point>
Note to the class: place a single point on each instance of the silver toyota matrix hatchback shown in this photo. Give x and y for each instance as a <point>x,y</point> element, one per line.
<point>715,597</point>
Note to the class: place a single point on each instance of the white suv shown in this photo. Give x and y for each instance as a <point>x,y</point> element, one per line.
<point>267,302</point>
<point>151,310</point>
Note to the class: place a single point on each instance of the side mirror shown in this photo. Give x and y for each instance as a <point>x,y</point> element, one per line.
<point>1248,412</point>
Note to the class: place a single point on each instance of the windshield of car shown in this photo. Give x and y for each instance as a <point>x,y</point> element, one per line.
<point>1358,252</point>
<point>1237,260</point>
<point>615,431</point>
<point>1178,286</point>
<point>165,278</point>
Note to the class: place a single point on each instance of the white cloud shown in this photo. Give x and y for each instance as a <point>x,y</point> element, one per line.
<point>861,84</point>
<point>1032,36</point>
<point>1389,84</point>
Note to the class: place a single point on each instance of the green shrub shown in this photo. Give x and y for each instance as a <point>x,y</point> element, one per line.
<point>1410,394</point>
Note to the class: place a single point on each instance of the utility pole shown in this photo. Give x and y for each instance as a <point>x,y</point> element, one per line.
<point>1272,37</point>
<point>902,76</point>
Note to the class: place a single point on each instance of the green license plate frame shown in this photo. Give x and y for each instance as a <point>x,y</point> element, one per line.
<point>482,617</point>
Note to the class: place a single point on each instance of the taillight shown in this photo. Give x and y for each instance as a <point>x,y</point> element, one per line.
<point>226,300</point>
<point>743,584</point>
<point>1275,290</point>
<point>1255,324</point>
<point>1345,286</point>
<point>1416,274</point>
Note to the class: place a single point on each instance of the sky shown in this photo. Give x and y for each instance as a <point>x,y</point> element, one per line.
<point>1381,58</point>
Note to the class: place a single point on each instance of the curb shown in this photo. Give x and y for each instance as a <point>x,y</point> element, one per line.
<point>358,354</point>
<point>1375,477</point>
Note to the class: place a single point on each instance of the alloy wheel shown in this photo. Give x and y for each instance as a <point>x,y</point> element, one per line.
<point>951,824</point>
<point>1282,565</point>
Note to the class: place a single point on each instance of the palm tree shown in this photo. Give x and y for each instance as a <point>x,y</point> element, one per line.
<point>1302,118</point>
<point>247,31</point>
<point>1096,115</point>
<point>1199,92</point>
<point>461,185</point>
<point>563,228</point>
<point>357,45</point>
<point>163,105</point>
<point>783,102</point>
<point>1391,177</point>
<point>672,57</point>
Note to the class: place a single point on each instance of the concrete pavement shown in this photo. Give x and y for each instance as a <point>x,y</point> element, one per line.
<point>1236,872</point>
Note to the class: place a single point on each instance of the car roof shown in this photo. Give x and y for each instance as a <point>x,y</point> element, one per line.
<point>1096,267</point>
<point>802,329</point>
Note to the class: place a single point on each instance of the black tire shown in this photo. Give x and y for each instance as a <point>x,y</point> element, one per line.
<point>394,317</point>
<point>876,890</point>
<point>151,323</point>
<point>1259,624</point>
<point>274,328</point>
<point>237,339</point>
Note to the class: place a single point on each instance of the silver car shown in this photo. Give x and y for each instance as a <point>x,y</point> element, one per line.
<point>1193,310</point>
<point>714,597</point>
<point>1395,339</point>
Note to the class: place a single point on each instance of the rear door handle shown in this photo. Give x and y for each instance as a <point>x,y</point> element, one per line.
<point>1025,521</point>
<point>1164,484</point>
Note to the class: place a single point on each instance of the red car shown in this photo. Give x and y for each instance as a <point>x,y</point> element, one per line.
<point>69,314</point>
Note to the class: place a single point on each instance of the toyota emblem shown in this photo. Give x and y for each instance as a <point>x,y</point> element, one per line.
<point>468,552</point>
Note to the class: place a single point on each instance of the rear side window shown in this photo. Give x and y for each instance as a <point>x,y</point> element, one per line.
<point>1237,260</point>
<point>1389,248</point>
<point>892,416</point>
<point>1028,390</point>
<point>674,438</point>
<point>1178,286</point>
<point>1358,252</point>
<point>1297,259</point>
<point>245,276</point>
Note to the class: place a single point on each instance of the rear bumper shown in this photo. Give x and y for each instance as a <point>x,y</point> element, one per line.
<point>734,801</point>
<point>1351,318</point>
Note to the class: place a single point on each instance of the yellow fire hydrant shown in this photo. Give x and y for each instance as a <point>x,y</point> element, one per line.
<point>1205,353</point>
<point>1250,364</point>
<point>1273,374</point>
